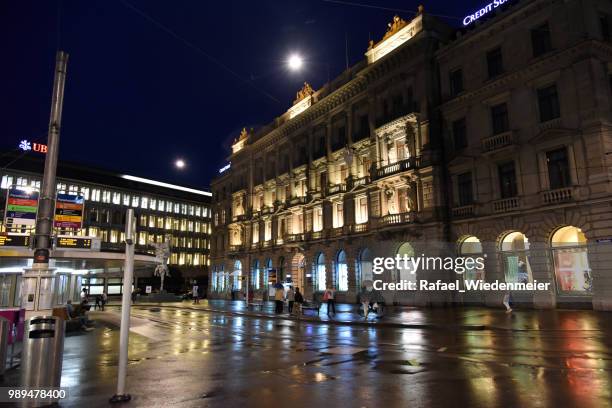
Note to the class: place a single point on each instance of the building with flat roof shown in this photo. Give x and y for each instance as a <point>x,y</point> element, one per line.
<point>182,214</point>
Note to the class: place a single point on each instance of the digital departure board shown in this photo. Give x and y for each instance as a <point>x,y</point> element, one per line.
<point>73,242</point>
<point>14,240</point>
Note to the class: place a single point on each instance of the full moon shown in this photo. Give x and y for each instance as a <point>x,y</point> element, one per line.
<point>179,163</point>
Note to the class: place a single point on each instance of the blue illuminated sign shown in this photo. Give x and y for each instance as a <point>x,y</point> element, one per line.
<point>469,19</point>
<point>225,168</point>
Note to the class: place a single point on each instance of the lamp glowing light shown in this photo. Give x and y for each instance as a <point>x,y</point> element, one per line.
<point>295,62</point>
<point>179,163</point>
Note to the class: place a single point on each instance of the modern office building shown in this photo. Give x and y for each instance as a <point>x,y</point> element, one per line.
<point>492,140</point>
<point>181,214</point>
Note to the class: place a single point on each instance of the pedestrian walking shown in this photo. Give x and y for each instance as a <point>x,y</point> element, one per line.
<point>506,302</point>
<point>279,295</point>
<point>330,297</point>
<point>98,304</point>
<point>195,294</point>
<point>290,299</point>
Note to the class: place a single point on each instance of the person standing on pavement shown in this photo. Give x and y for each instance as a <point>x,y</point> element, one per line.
<point>506,302</point>
<point>330,297</point>
<point>279,295</point>
<point>104,299</point>
<point>195,294</point>
<point>299,299</point>
<point>290,298</point>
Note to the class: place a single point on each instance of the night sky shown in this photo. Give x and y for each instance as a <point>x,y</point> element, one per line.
<point>151,81</point>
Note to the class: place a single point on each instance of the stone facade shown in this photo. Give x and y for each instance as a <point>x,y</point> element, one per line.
<point>497,136</point>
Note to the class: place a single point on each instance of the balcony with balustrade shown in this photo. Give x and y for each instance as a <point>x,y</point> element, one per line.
<point>335,189</point>
<point>498,142</point>
<point>463,211</point>
<point>506,204</point>
<point>395,219</point>
<point>397,167</point>
<point>558,196</point>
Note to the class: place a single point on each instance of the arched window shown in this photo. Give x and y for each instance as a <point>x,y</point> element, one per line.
<point>213,280</point>
<point>255,275</point>
<point>515,254</point>
<point>471,247</point>
<point>281,269</point>
<point>319,272</point>
<point>570,255</point>
<point>237,275</point>
<point>363,266</point>
<point>267,269</point>
<point>341,277</point>
<point>406,272</point>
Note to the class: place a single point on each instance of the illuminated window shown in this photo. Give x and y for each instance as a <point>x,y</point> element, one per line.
<point>515,255</point>
<point>198,211</point>
<point>191,210</point>
<point>341,278</point>
<point>126,199</point>
<point>161,205</point>
<point>152,221</point>
<point>85,192</point>
<point>144,202</point>
<point>135,201</point>
<point>114,236</point>
<point>255,233</point>
<point>319,272</point>
<point>168,206</point>
<point>159,222</point>
<point>317,219</point>
<point>106,196</point>
<point>168,223</point>
<point>142,238</point>
<point>183,225</point>
<point>190,226</point>
<point>361,210</point>
<point>197,226</point>
<point>472,247</point>
<point>116,198</point>
<point>571,261</point>
<point>338,214</point>
<point>152,204</point>
<point>268,230</point>
<point>6,182</point>
<point>176,208</point>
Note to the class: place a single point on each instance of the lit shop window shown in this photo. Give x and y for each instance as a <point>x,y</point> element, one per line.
<point>126,199</point>
<point>255,275</point>
<point>572,270</point>
<point>114,236</point>
<point>144,202</point>
<point>142,238</point>
<point>515,254</point>
<point>116,198</point>
<point>319,272</point>
<point>237,275</point>
<point>341,272</point>
<point>472,247</point>
<point>93,232</point>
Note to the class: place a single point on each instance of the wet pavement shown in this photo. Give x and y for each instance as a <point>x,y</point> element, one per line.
<point>197,358</point>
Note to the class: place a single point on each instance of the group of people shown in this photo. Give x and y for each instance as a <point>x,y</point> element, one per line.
<point>293,296</point>
<point>81,314</point>
<point>295,300</point>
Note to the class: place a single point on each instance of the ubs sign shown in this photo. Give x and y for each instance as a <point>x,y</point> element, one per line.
<point>469,19</point>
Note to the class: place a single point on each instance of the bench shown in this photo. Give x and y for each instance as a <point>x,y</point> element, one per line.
<point>72,323</point>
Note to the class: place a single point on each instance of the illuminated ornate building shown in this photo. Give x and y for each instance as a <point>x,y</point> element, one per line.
<point>492,140</point>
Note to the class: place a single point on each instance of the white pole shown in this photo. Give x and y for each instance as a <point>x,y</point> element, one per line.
<point>126,303</point>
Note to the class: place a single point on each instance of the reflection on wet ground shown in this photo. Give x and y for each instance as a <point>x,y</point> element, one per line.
<point>195,358</point>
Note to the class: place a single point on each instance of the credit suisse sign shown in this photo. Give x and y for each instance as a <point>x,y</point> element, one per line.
<point>486,9</point>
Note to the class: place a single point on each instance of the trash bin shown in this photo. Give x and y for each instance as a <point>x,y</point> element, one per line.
<point>43,350</point>
<point>5,329</point>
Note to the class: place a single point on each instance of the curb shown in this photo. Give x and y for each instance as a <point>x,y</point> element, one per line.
<point>369,323</point>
